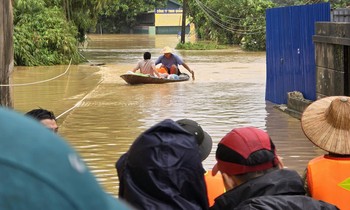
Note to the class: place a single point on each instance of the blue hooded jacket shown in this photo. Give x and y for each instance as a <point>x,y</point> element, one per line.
<point>163,170</point>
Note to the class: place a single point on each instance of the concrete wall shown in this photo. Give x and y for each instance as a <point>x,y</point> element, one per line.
<point>340,15</point>
<point>332,46</point>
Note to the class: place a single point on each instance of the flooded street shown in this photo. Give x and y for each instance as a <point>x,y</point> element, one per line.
<point>100,115</point>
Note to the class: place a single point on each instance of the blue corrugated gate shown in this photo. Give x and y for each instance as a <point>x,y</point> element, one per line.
<point>290,54</point>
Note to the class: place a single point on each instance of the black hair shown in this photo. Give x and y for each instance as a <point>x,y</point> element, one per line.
<point>41,114</point>
<point>147,55</point>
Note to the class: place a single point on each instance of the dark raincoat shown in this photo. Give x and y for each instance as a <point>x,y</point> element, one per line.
<point>278,190</point>
<point>163,170</point>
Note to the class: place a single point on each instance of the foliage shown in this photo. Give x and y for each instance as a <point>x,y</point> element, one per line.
<point>200,46</point>
<point>240,23</point>
<point>42,36</point>
<point>120,15</point>
<point>83,13</point>
<point>27,7</point>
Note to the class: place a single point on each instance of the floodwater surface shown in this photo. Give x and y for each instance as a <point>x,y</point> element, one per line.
<point>100,115</point>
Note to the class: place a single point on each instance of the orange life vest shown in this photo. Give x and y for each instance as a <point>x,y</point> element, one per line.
<point>162,70</point>
<point>215,186</point>
<point>329,180</point>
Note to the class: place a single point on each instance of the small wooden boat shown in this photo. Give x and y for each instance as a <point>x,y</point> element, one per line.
<point>137,78</point>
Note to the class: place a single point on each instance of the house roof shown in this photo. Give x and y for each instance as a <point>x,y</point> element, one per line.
<point>173,4</point>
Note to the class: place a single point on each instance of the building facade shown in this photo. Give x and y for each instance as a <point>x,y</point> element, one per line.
<point>162,20</point>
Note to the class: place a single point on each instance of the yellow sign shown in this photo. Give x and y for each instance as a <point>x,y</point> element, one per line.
<point>168,19</point>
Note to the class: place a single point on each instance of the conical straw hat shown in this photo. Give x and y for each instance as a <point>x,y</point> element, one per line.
<point>326,123</point>
<point>167,50</point>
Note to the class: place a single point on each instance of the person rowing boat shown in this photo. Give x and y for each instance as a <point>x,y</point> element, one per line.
<point>170,62</point>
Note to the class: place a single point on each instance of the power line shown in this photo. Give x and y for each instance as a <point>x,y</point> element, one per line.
<point>212,15</point>
<point>229,17</point>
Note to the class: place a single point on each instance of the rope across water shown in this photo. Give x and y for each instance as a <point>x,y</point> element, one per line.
<point>38,82</point>
<point>53,78</point>
<point>79,102</point>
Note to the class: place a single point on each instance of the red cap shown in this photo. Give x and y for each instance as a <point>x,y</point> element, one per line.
<point>245,150</point>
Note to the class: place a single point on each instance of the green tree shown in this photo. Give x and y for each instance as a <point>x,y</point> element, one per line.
<point>47,32</point>
<point>334,3</point>
<point>241,22</point>
<point>83,13</point>
<point>121,15</point>
<point>42,36</point>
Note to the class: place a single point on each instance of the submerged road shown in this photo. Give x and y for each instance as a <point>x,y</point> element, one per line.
<point>229,92</point>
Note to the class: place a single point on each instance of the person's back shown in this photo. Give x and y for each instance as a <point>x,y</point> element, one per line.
<point>328,179</point>
<point>146,65</point>
<point>250,167</point>
<point>163,170</point>
<point>279,189</point>
<point>326,123</point>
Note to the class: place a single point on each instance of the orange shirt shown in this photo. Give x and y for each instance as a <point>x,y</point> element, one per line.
<point>215,186</point>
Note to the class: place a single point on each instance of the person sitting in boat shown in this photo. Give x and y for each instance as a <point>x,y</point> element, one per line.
<point>170,62</point>
<point>163,167</point>
<point>147,66</point>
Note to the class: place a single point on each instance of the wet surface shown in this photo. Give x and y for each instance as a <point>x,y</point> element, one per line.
<point>103,114</point>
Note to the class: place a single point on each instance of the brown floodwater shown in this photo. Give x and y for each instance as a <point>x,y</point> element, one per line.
<point>100,115</point>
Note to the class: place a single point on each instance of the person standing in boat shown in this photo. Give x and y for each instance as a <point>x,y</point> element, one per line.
<point>147,66</point>
<point>170,62</point>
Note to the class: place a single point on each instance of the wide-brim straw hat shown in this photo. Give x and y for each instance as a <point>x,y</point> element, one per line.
<point>167,50</point>
<point>326,123</point>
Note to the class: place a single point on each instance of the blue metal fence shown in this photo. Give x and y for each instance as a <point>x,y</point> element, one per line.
<point>290,54</point>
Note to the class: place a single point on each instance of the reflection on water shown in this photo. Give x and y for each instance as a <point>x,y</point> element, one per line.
<point>228,92</point>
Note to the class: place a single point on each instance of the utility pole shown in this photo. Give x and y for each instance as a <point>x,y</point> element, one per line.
<point>6,51</point>
<point>183,26</point>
